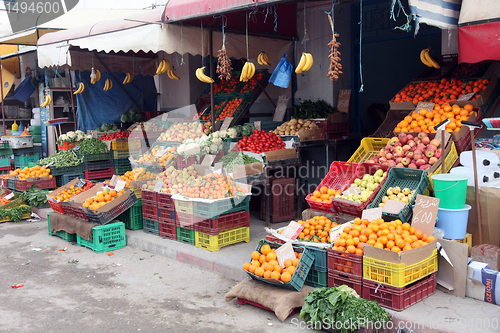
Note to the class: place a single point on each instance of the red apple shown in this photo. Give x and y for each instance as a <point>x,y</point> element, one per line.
<point>420,162</point>
<point>405,161</point>
<point>425,166</point>
<point>409,155</point>
<point>429,153</point>
<point>400,153</point>
<point>402,138</point>
<point>389,156</point>
<point>400,165</point>
<point>410,137</point>
<point>412,166</point>
<point>432,160</point>
<point>406,148</point>
<point>412,143</point>
<point>426,159</point>
<point>391,163</point>
<point>426,140</point>
<point>422,135</point>
<point>398,159</point>
<point>382,160</point>
<point>417,155</point>
<point>435,142</point>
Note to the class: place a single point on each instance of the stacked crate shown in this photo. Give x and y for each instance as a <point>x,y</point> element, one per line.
<point>345,268</point>
<point>36,133</point>
<point>282,200</point>
<point>150,212</point>
<point>99,169</point>
<point>21,159</point>
<point>5,153</point>
<point>166,218</point>
<point>122,165</point>
<point>132,217</point>
<point>124,148</point>
<point>318,274</point>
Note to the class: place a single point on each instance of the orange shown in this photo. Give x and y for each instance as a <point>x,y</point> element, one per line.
<point>259,271</point>
<point>363,238</point>
<point>430,239</point>
<point>379,245</point>
<point>277,268</point>
<point>286,277</point>
<point>419,234</point>
<point>273,262</point>
<point>290,269</point>
<point>351,249</point>
<point>252,269</point>
<point>276,275</point>
<point>296,262</point>
<point>268,267</point>
<point>400,243</point>
<point>407,247</point>
<point>383,240</point>
<point>288,263</point>
<point>267,274</point>
<point>262,259</point>
<point>373,236</point>
<point>396,249</point>
<point>323,190</point>
<point>390,244</point>
<point>371,242</point>
<point>265,249</point>
<point>271,256</point>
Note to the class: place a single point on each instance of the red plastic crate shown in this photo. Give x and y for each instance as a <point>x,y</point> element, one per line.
<point>23,185</point>
<point>285,210</point>
<point>99,174</point>
<point>352,208</point>
<point>56,206</point>
<point>338,279</point>
<point>164,200</point>
<point>340,175</point>
<point>67,145</point>
<point>79,213</point>
<point>149,197</point>
<point>338,129</point>
<point>341,262</point>
<point>271,238</point>
<point>149,212</point>
<point>223,222</point>
<point>399,298</point>
<point>242,301</point>
<point>186,221</point>
<point>166,215</point>
<point>168,230</point>
<point>464,143</point>
<point>184,163</point>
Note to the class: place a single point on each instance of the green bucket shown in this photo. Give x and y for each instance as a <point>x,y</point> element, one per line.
<point>451,190</point>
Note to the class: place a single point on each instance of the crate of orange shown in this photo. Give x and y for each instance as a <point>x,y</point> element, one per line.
<point>63,194</point>
<point>43,183</point>
<point>340,175</point>
<point>346,262</point>
<point>233,108</point>
<point>263,266</point>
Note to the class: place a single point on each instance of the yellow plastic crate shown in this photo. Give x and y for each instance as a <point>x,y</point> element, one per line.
<point>186,207</point>
<point>138,192</point>
<point>369,147</point>
<point>449,161</point>
<point>24,217</point>
<point>228,237</point>
<point>125,144</point>
<point>398,275</point>
<point>467,240</point>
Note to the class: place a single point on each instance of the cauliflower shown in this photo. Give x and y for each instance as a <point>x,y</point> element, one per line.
<point>80,136</point>
<point>223,134</point>
<point>79,132</point>
<point>71,135</point>
<point>63,137</point>
<point>214,149</point>
<point>217,141</point>
<point>216,135</point>
<point>188,141</point>
<point>206,149</point>
<point>181,149</point>
<point>192,149</point>
<point>204,138</point>
<point>232,133</point>
<point>88,136</point>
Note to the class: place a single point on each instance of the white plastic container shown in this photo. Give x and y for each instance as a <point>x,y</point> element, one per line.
<point>25,141</point>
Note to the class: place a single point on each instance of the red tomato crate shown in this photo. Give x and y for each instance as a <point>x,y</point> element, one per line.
<point>149,212</point>
<point>336,279</point>
<point>166,215</point>
<point>185,220</point>
<point>67,145</point>
<point>184,163</point>
<point>164,200</point>
<point>23,185</point>
<point>56,206</point>
<point>399,299</point>
<point>342,262</point>
<point>168,230</point>
<point>340,175</point>
<point>149,197</point>
<point>223,222</point>
<point>79,213</point>
<point>352,208</point>
<point>242,301</point>
<point>99,174</point>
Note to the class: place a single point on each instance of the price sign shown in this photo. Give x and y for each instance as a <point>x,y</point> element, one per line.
<point>425,213</point>
<point>158,186</point>
<point>292,230</point>
<point>120,184</point>
<point>77,148</point>
<point>257,125</point>
<point>208,160</point>
<point>285,252</point>
<point>425,105</point>
<point>279,113</point>
<point>372,214</point>
<point>353,190</point>
<point>81,183</point>
<point>344,100</point>
<point>9,196</point>
<point>160,152</point>
<point>466,97</point>
<point>393,206</point>
<point>227,122</point>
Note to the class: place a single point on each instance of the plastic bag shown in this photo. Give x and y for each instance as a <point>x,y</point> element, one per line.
<point>282,73</point>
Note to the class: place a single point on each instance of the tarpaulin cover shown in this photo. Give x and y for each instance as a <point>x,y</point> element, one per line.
<point>25,89</point>
<point>439,13</point>
<point>96,106</point>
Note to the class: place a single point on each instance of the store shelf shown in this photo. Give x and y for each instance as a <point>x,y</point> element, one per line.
<point>16,119</point>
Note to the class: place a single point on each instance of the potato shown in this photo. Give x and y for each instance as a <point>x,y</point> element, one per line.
<point>287,132</point>
<point>293,121</point>
<point>298,126</point>
<point>301,121</point>
<point>292,133</point>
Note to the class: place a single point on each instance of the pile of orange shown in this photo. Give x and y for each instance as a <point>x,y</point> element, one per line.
<point>324,194</point>
<point>265,264</point>
<point>425,120</point>
<point>68,193</point>
<point>212,186</point>
<point>394,236</point>
<point>165,159</point>
<point>137,174</point>
<point>36,171</point>
<point>316,229</point>
<point>102,198</point>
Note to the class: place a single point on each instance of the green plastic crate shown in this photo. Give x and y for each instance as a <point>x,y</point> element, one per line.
<point>64,179</point>
<point>63,234</point>
<point>4,161</point>
<point>25,159</point>
<point>126,153</point>
<point>133,217</point>
<point>218,207</point>
<point>11,184</point>
<point>121,162</point>
<point>4,145</point>
<point>320,262</point>
<point>150,226</point>
<point>105,238</point>
<point>37,138</point>
<point>6,151</point>
<point>316,279</point>
<point>121,170</point>
<point>35,130</point>
<point>214,243</point>
<point>186,235</point>
<point>55,171</point>
<point>95,157</point>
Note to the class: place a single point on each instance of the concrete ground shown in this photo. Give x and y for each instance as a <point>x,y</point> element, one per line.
<point>158,285</point>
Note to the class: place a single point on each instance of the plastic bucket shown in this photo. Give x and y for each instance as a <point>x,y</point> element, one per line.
<point>451,190</point>
<point>453,222</point>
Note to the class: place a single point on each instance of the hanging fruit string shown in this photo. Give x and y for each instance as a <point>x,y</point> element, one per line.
<point>335,68</point>
<point>224,68</point>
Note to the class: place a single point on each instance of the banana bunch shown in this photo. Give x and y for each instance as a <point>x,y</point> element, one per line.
<point>305,63</point>
<point>426,58</point>
<point>108,84</point>
<point>128,78</point>
<point>171,74</point>
<point>200,74</point>
<point>263,59</point>
<point>95,76</point>
<point>81,88</point>
<point>247,72</point>
<point>163,66</point>
<point>47,101</point>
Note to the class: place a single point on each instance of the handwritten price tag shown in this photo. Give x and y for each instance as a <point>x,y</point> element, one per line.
<point>158,186</point>
<point>120,184</point>
<point>226,123</point>
<point>425,213</point>
<point>160,152</point>
<point>372,214</point>
<point>424,105</point>
<point>352,189</point>
<point>466,97</point>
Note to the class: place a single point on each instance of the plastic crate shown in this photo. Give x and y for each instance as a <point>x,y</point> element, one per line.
<point>26,151</point>
<point>282,208</point>
<point>219,207</point>
<point>65,145</point>
<point>99,165</point>
<point>5,171</point>
<point>77,212</point>
<point>137,192</point>
<point>63,234</point>
<point>4,145</point>
<point>182,206</point>
<point>125,144</point>
<point>392,119</point>
<point>164,200</point>
<point>403,177</point>
<point>167,230</point>
<point>95,157</point>
<point>122,170</point>
<point>449,162</point>
<point>99,174</point>
<point>149,212</point>
<point>37,138</point>
<point>282,197</point>
<point>150,226</point>
<point>105,238</point>
<point>11,184</point>
<point>120,162</point>
<point>184,163</point>
<point>117,154</point>
<point>320,262</point>
<point>336,279</point>
<point>187,221</point>
<point>110,215</point>
<point>223,222</point>
<point>25,159</point>
<point>467,240</point>
<point>23,217</point>
<point>214,243</point>
<point>270,125</point>
<point>166,215</point>
<point>398,275</point>
<point>149,197</point>
<point>353,208</point>
<point>340,175</point>
<point>369,147</point>
<point>399,298</point>
<point>316,279</point>
<point>23,185</point>
<point>301,271</point>
<point>64,179</point>
<point>37,130</point>
<point>55,171</point>
<point>185,235</point>
<point>338,130</point>
<point>4,161</point>
<point>341,262</point>
<point>132,217</point>
<point>242,301</point>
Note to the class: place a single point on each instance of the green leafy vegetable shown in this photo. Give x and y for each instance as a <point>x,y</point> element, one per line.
<point>34,196</point>
<point>233,159</point>
<point>63,158</point>
<point>312,110</point>
<point>92,146</point>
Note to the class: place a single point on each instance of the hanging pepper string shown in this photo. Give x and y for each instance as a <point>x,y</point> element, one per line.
<point>360,40</point>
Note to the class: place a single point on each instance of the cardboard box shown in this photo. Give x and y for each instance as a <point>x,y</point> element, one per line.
<point>61,189</point>
<point>408,257</point>
<point>482,283</point>
<point>482,98</point>
<point>280,154</point>
<point>451,277</point>
<point>80,198</point>
<point>312,135</point>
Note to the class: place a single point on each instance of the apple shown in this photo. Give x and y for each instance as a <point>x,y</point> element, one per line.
<point>422,135</point>
<point>425,166</point>
<point>388,146</point>
<point>405,161</point>
<point>389,156</point>
<point>391,163</point>
<point>420,162</point>
<point>412,166</point>
<point>435,142</point>
<point>432,160</point>
<point>426,159</point>
<point>370,161</point>
<point>399,148</point>
<point>374,159</point>
<point>400,165</point>
<point>412,143</point>
<point>410,137</point>
<point>429,153</point>
<point>426,140</point>
<point>381,153</point>
<point>382,160</point>
<point>393,141</point>
<point>400,153</point>
<point>409,155</point>
<point>421,146</point>
<point>398,159</point>
<point>406,148</point>
<point>417,155</point>
<point>437,155</point>
<point>402,138</point>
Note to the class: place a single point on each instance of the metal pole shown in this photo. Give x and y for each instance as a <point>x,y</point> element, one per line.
<point>210,53</point>
<point>1,92</point>
<point>476,188</point>
<point>72,99</point>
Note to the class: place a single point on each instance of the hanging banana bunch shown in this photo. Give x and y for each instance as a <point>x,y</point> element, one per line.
<point>426,58</point>
<point>163,66</point>
<point>81,88</point>
<point>108,84</point>
<point>171,74</point>
<point>95,76</point>
<point>128,78</point>
<point>305,63</point>
<point>263,59</point>
<point>200,74</point>
<point>247,72</point>
<point>47,101</point>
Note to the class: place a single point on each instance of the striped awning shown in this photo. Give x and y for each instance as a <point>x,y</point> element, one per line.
<point>443,14</point>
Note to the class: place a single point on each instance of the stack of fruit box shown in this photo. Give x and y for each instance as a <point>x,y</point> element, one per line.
<point>345,268</point>
<point>150,212</point>
<point>318,274</point>
<point>122,149</point>
<point>282,200</point>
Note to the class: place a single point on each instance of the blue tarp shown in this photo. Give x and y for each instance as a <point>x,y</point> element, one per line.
<point>96,106</point>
